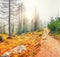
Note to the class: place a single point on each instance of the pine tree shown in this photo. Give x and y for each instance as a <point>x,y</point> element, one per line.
<point>25,24</point>
<point>35,22</point>
<point>4,13</point>
<point>21,19</point>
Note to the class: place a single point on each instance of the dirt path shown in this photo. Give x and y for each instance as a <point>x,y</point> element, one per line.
<point>50,47</point>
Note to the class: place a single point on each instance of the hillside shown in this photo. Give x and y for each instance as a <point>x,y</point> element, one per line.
<point>31,44</point>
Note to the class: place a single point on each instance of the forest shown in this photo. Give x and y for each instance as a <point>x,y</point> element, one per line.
<point>18,22</point>
<point>28,36</point>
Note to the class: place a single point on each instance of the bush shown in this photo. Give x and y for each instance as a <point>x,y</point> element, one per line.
<point>54,25</point>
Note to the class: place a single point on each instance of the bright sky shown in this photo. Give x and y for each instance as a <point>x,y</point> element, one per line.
<point>46,8</point>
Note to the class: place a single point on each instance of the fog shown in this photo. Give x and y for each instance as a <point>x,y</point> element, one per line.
<point>41,10</point>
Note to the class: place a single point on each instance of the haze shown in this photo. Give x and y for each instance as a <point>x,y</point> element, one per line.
<point>45,8</point>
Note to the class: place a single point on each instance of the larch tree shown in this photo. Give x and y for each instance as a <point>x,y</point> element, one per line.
<point>22,19</point>
<point>4,12</point>
<point>35,22</point>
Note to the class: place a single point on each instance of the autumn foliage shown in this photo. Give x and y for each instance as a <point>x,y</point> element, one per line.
<point>31,40</point>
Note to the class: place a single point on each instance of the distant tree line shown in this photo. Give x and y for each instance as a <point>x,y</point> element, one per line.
<point>19,21</point>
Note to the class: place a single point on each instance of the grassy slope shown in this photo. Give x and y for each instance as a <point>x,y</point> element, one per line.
<point>31,40</point>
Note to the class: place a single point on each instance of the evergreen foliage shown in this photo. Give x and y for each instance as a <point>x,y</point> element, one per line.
<point>54,25</point>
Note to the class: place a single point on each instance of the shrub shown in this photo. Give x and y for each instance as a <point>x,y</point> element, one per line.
<point>54,25</point>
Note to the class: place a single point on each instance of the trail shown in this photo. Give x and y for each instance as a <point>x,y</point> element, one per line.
<point>50,47</point>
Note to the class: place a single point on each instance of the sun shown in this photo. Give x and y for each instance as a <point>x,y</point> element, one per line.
<point>29,15</point>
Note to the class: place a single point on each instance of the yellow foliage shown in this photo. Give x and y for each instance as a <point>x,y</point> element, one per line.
<point>4,36</point>
<point>31,40</point>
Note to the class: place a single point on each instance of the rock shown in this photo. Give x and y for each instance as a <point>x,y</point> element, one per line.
<point>6,54</point>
